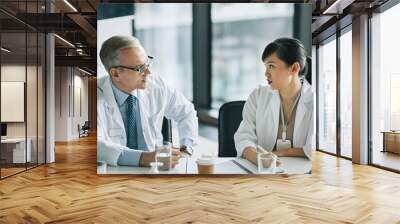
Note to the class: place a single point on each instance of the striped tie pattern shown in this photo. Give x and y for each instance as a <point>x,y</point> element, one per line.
<point>131,123</point>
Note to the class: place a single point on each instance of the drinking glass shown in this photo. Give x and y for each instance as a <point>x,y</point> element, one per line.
<point>266,163</point>
<point>163,155</point>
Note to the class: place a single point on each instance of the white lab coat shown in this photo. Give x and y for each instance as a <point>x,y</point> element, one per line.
<point>261,121</point>
<point>155,102</point>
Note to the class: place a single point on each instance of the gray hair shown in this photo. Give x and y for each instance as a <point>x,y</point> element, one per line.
<point>110,48</point>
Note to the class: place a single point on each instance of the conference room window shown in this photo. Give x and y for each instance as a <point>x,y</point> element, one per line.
<point>165,31</point>
<point>13,83</point>
<point>108,16</point>
<point>385,89</point>
<point>346,92</point>
<point>22,94</point>
<point>31,97</point>
<point>240,33</point>
<point>327,95</point>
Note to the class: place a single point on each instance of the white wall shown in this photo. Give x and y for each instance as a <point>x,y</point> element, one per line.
<point>79,117</point>
<point>61,103</point>
<point>33,126</point>
<point>14,72</point>
<point>17,73</point>
<point>69,82</point>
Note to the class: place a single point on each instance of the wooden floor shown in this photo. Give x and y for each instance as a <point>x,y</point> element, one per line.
<point>10,171</point>
<point>387,159</point>
<point>70,191</point>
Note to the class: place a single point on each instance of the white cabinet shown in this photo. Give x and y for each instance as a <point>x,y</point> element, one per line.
<point>17,146</point>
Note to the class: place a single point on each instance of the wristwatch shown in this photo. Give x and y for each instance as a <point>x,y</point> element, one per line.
<point>186,149</point>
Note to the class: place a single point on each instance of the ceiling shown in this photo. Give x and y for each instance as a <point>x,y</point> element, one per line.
<point>329,16</point>
<point>75,21</point>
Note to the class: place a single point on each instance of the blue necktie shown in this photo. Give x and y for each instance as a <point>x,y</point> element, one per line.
<point>131,123</point>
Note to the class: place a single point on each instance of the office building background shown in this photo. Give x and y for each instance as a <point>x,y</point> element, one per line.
<point>209,54</point>
<point>47,82</point>
<point>48,86</point>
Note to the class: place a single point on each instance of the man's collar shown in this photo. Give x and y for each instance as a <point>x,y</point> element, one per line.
<point>121,96</point>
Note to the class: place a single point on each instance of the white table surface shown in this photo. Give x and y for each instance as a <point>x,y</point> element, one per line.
<point>224,165</point>
<point>291,165</point>
<point>13,140</point>
<point>19,149</point>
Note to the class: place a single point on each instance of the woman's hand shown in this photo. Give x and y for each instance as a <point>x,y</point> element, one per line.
<point>250,154</point>
<point>291,152</point>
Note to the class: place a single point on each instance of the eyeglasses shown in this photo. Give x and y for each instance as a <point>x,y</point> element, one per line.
<point>141,68</point>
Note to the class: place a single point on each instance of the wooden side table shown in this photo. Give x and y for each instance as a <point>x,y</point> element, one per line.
<point>391,141</point>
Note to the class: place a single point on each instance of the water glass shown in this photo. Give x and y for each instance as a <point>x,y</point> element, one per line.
<point>163,155</point>
<point>266,163</point>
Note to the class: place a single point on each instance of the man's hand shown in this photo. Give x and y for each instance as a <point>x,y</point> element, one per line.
<point>148,157</point>
<point>186,150</point>
<point>175,156</point>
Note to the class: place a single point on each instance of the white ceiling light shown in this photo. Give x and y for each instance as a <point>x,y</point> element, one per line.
<point>5,50</point>
<point>84,71</point>
<point>338,6</point>
<point>65,41</point>
<point>71,6</point>
<point>79,51</point>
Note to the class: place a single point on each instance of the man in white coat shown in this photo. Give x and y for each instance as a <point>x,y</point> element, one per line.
<point>131,104</point>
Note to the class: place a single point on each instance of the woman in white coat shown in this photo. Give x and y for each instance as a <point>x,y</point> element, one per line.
<point>279,117</point>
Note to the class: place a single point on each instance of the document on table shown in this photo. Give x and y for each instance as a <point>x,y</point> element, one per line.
<point>235,166</point>
<point>239,166</point>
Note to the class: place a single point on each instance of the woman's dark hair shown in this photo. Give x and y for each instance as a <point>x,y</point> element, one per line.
<point>290,50</point>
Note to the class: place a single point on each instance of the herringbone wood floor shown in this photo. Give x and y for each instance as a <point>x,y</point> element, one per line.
<point>70,191</point>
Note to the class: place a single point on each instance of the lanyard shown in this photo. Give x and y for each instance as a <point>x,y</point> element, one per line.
<point>283,116</point>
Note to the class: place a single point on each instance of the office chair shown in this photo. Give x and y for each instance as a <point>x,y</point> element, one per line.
<point>230,116</point>
<point>84,130</point>
<point>166,130</point>
<point>86,126</point>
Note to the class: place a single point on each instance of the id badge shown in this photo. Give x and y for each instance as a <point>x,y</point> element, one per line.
<point>283,144</point>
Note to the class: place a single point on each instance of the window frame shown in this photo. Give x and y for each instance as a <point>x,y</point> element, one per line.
<point>332,37</point>
<point>379,10</point>
<point>44,40</point>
